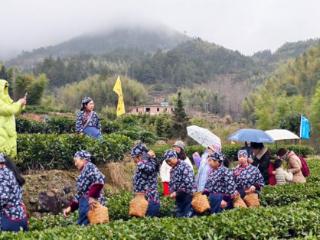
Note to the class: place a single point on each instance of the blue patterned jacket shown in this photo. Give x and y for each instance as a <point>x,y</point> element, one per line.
<point>89,177</point>
<point>221,181</point>
<point>245,177</point>
<point>182,178</point>
<point>11,203</point>
<point>145,179</point>
<point>81,121</point>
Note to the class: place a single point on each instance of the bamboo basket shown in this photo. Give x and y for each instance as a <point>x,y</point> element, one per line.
<point>98,213</point>
<point>200,203</point>
<point>138,206</point>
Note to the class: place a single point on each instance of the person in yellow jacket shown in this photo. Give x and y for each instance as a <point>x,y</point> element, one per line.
<point>8,110</point>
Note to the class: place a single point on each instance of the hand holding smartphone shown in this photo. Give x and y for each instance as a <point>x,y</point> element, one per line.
<point>23,100</point>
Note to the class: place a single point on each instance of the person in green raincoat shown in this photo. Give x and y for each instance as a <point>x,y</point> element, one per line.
<point>8,110</point>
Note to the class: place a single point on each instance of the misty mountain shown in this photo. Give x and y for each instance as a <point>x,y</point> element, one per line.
<point>146,39</point>
<point>192,62</point>
<point>286,51</point>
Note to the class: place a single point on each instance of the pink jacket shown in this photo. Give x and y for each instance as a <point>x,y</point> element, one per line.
<point>294,166</point>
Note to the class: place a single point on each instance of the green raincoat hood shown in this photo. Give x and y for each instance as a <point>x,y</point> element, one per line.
<point>4,91</point>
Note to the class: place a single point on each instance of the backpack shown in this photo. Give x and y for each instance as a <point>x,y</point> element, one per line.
<point>304,167</point>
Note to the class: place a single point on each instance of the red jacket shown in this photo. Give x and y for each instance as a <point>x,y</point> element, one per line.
<point>272,177</point>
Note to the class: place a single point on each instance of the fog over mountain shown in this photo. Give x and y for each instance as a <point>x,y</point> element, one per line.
<point>247,26</point>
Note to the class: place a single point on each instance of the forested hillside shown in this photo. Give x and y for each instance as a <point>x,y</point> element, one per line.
<point>292,90</point>
<point>165,61</point>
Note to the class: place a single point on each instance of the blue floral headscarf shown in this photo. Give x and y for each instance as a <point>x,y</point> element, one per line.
<point>216,156</point>
<point>83,155</point>
<point>139,150</point>
<point>243,153</point>
<point>86,100</point>
<point>169,154</point>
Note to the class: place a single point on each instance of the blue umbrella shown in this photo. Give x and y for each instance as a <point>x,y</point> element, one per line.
<point>251,135</point>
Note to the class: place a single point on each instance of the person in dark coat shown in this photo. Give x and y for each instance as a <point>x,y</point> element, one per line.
<point>247,177</point>
<point>181,183</point>
<point>261,159</point>
<point>90,185</point>
<point>88,122</point>
<point>145,178</point>
<point>13,215</point>
<point>220,185</point>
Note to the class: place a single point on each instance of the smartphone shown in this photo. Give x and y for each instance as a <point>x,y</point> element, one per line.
<point>26,95</point>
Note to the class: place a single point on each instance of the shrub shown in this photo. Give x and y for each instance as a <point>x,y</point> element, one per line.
<point>29,126</point>
<point>52,151</point>
<point>60,125</point>
<point>299,220</point>
<point>57,125</point>
<point>108,126</point>
<point>137,133</point>
<point>287,194</point>
<point>230,151</point>
<point>128,126</point>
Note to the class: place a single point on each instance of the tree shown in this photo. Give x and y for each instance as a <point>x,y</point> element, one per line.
<point>203,99</point>
<point>314,117</point>
<point>180,119</point>
<point>100,89</point>
<point>286,93</point>
<point>35,87</point>
<point>291,122</point>
<point>3,72</point>
<point>163,125</point>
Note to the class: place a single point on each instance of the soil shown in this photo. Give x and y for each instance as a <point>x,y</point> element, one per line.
<point>51,191</point>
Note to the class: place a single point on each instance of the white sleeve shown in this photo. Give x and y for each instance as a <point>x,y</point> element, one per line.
<point>288,176</point>
<point>165,172</point>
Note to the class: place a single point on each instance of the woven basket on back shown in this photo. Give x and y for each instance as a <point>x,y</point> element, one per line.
<point>252,200</point>
<point>98,213</point>
<point>138,206</point>
<point>239,203</point>
<point>200,202</point>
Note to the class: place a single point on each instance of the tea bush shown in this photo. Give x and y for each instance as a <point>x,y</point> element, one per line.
<point>231,150</point>
<point>55,151</point>
<point>297,220</point>
<point>275,196</point>
<point>52,151</point>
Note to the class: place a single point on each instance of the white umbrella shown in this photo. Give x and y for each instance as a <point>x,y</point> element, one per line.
<point>281,134</point>
<point>203,136</point>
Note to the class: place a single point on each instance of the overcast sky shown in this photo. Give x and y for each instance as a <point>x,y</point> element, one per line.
<point>244,25</point>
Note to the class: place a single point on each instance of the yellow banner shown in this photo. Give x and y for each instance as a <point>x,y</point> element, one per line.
<point>118,90</point>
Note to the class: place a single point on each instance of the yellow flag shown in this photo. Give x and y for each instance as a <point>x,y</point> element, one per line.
<point>118,90</point>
